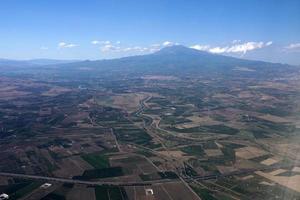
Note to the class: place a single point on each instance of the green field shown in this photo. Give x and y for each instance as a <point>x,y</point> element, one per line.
<point>203,193</point>
<point>19,190</point>
<point>98,161</point>
<point>101,173</point>
<point>195,150</point>
<point>110,193</point>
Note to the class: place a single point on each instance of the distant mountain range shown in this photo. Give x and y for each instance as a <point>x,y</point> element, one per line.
<point>169,60</point>
<point>9,62</point>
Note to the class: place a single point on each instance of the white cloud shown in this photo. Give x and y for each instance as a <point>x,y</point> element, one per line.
<point>95,42</point>
<point>236,41</point>
<point>167,43</point>
<point>137,48</point>
<point>140,49</point>
<point>240,48</point>
<point>155,47</point>
<point>200,47</point>
<point>103,42</point>
<point>293,46</point>
<point>109,47</point>
<point>152,50</point>
<point>236,47</point>
<point>61,44</point>
<point>269,43</point>
<point>127,49</point>
<point>66,45</point>
<point>218,49</point>
<point>243,48</point>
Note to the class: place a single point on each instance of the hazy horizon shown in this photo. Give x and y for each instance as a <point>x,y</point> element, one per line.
<point>124,56</point>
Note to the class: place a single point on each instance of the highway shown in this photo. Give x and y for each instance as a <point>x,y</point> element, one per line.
<point>239,172</point>
<point>91,183</point>
<point>140,183</point>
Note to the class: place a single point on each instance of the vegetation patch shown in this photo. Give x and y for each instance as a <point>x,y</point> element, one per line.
<point>168,175</point>
<point>221,129</point>
<point>100,173</point>
<point>203,193</point>
<point>110,193</point>
<point>98,161</point>
<point>54,196</point>
<point>19,190</point>
<point>194,150</point>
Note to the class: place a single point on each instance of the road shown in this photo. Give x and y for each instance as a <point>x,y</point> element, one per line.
<point>159,139</point>
<point>239,172</point>
<point>115,138</point>
<point>207,177</point>
<point>91,183</point>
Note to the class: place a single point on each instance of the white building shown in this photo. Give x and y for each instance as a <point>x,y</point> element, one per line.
<point>46,185</point>
<point>149,191</point>
<point>4,196</point>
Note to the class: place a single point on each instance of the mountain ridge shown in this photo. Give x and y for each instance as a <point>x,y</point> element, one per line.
<point>173,60</point>
<point>33,62</point>
<point>176,57</point>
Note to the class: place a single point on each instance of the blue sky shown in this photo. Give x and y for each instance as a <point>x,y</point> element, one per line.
<point>93,29</point>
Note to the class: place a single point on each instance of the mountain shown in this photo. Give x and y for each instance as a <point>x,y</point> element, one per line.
<point>13,63</point>
<point>33,62</point>
<point>45,61</point>
<point>179,59</point>
<point>173,60</point>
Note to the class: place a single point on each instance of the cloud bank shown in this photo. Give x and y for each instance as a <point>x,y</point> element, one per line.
<point>293,46</point>
<point>66,45</point>
<point>117,47</point>
<point>236,47</point>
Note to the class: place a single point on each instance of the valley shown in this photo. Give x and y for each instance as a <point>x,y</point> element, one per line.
<point>207,130</point>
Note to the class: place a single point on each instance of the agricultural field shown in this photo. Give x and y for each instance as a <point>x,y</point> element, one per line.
<point>148,136</point>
